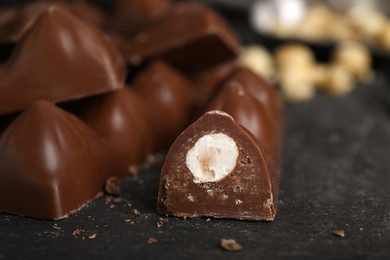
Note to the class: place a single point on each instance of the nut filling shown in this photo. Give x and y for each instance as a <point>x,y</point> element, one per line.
<point>213,157</point>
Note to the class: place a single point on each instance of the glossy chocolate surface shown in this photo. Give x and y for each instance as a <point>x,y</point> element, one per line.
<point>191,37</point>
<point>167,94</point>
<point>15,22</point>
<point>51,163</point>
<point>133,16</point>
<point>248,192</point>
<point>262,91</point>
<point>235,100</point>
<point>61,58</point>
<point>121,119</point>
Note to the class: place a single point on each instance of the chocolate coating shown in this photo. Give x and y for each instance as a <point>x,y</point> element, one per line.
<point>191,37</point>
<point>262,91</point>
<point>248,192</point>
<point>167,94</point>
<point>51,163</point>
<point>133,16</point>
<point>122,120</point>
<point>61,58</point>
<point>235,100</point>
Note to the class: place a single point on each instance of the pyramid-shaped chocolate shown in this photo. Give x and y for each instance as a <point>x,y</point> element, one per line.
<point>235,100</point>
<point>51,163</point>
<point>215,168</point>
<point>192,36</point>
<point>60,58</point>
<point>122,120</point>
<point>168,94</point>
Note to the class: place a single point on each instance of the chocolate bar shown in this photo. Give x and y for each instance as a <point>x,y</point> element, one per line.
<point>51,163</point>
<point>60,58</point>
<point>216,168</point>
<point>191,37</point>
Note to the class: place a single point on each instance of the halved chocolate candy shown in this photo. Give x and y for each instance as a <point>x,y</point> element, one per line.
<point>215,168</point>
<point>123,121</point>
<point>191,37</point>
<point>168,95</point>
<point>51,163</point>
<point>61,58</point>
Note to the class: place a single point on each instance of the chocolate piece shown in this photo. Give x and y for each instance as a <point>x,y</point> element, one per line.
<point>230,245</point>
<point>14,23</point>
<point>262,91</point>
<point>235,100</point>
<point>191,37</point>
<point>59,59</point>
<point>215,168</point>
<point>169,96</point>
<point>122,120</point>
<point>51,163</point>
<point>133,16</point>
<point>209,81</point>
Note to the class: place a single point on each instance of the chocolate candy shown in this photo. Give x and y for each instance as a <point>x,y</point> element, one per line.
<point>191,37</point>
<point>123,121</point>
<point>208,82</point>
<point>169,97</point>
<point>14,23</point>
<point>61,58</point>
<point>133,16</point>
<point>215,168</point>
<point>51,163</point>
<point>235,100</point>
<point>262,91</point>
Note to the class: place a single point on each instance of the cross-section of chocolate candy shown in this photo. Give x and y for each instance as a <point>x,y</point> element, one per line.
<point>51,163</point>
<point>191,37</point>
<point>123,121</point>
<point>216,168</point>
<point>60,58</point>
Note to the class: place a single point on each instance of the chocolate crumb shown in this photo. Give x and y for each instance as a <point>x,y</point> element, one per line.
<point>133,214</point>
<point>339,233</point>
<point>230,245</point>
<point>117,200</point>
<point>361,229</point>
<point>113,186</point>
<point>93,236</point>
<point>152,240</point>
<point>112,206</point>
<point>78,232</point>
<point>208,219</point>
<point>161,221</point>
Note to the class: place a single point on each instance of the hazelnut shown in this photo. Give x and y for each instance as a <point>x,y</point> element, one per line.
<point>259,60</point>
<point>354,57</point>
<point>339,80</point>
<point>213,157</point>
<point>293,55</point>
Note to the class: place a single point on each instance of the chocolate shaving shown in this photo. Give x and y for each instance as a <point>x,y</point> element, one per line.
<point>230,245</point>
<point>161,221</point>
<point>339,233</point>
<point>93,236</point>
<point>78,232</point>
<point>152,240</point>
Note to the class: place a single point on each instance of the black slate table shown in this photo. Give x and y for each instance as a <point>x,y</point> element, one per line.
<point>335,176</point>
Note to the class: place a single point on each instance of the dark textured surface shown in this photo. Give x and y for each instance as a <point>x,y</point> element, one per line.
<point>335,175</point>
